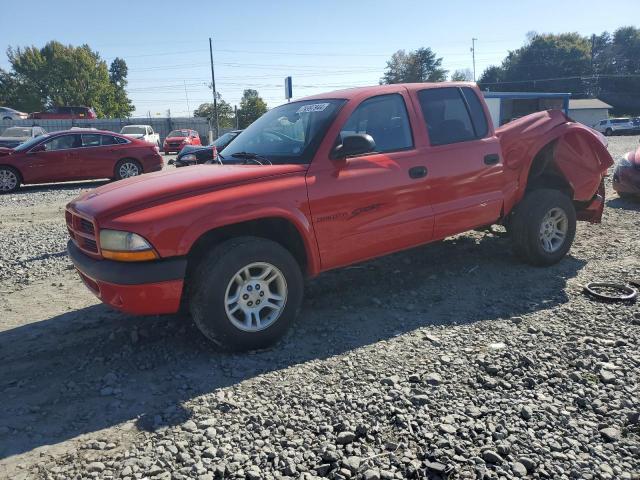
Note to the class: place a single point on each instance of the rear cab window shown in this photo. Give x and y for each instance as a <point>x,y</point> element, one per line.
<point>452,115</point>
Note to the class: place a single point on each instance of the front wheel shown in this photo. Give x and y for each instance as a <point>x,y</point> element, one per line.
<point>543,227</point>
<point>608,132</point>
<point>9,180</point>
<point>126,168</point>
<point>246,293</point>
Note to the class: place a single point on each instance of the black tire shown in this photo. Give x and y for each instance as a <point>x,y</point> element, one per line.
<point>527,221</point>
<point>118,173</point>
<point>608,132</point>
<point>7,173</point>
<point>208,290</point>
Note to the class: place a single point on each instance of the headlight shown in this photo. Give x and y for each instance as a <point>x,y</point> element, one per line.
<point>125,246</point>
<point>189,157</point>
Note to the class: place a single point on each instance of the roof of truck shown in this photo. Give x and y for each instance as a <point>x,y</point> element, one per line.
<point>350,93</point>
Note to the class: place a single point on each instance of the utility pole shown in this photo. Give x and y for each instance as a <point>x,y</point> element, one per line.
<point>213,84</point>
<point>186,95</point>
<point>473,54</point>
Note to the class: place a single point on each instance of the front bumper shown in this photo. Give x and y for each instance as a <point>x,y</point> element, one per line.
<point>145,288</point>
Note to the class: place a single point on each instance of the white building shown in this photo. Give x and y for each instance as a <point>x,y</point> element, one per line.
<point>589,111</point>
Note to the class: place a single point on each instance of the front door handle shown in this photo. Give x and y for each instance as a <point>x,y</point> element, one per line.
<point>418,172</point>
<point>491,159</point>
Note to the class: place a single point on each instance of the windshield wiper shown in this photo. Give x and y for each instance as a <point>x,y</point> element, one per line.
<point>252,156</point>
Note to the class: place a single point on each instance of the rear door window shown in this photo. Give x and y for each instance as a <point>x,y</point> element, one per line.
<point>478,117</point>
<point>107,140</point>
<point>91,140</point>
<point>385,118</point>
<point>447,117</point>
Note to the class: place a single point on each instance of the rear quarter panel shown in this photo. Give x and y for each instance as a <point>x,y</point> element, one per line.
<point>580,156</point>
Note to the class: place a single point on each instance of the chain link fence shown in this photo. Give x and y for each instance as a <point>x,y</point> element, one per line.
<point>162,126</point>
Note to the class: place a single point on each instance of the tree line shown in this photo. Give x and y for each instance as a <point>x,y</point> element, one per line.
<point>252,107</point>
<point>59,75</point>
<point>605,66</point>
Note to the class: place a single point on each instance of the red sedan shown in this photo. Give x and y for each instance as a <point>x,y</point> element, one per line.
<point>76,155</point>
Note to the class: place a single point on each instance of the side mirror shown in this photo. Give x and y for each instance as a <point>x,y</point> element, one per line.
<point>356,144</point>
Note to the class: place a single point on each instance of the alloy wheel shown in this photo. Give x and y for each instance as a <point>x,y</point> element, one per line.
<point>553,230</point>
<point>129,169</point>
<point>255,297</point>
<point>8,180</point>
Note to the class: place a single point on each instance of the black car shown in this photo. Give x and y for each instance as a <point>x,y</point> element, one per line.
<point>197,154</point>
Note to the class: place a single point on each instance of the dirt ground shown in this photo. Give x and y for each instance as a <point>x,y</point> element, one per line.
<point>82,384</point>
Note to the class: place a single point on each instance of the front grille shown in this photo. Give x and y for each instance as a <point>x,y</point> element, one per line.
<point>86,226</point>
<point>83,233</point>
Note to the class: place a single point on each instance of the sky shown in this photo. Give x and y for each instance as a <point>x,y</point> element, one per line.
<point>323,45</point>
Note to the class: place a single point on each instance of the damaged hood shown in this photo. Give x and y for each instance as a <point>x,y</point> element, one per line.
<point>153,188</point>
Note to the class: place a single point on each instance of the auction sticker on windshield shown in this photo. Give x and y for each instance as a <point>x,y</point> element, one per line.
<point>314,107</point>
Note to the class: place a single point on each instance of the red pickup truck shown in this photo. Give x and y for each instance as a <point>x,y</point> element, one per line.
<point>325,182</point>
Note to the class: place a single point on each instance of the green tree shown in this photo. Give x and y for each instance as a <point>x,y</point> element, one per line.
<point>462,76</point>
<point>604,66</point>
<point>566,57</point>
<point>421,65</point>
<point>226,118</point>
<point>252,107</point>
<point>58,74</point>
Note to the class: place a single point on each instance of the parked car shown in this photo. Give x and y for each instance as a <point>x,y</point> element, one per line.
<point>14,136</point>
<point>334,179</point>
<point>223,140</point>
<point>76,155</point>
<point>636,125</point>
<point>615,126</point>
<point>141,132</point>
<point>195,155</point>
<point>626,175</point>
<point>7,113</point>
<point>179,138</point>
<point>65,113</point>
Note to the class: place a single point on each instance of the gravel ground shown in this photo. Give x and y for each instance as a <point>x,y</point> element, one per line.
<point>451,360</point>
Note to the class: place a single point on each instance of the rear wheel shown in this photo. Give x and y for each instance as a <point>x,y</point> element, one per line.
<point>127,167</point>
<point>9,180</point>
<point>543,227</point>
<point>246,293</point>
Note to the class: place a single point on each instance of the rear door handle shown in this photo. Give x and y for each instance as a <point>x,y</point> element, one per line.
<point>491,159</point>
<point>418,172</point>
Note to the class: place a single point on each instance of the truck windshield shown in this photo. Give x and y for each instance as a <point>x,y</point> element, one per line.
<point>178,133</point>
<point>289,133</point>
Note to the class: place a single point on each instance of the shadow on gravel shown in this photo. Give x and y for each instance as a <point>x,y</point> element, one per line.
<point>26,189</point>
<point>93,368</point>
<point>624,203</point>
